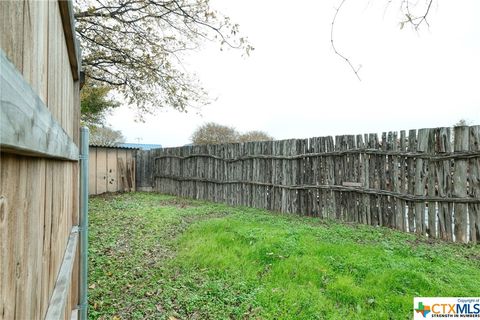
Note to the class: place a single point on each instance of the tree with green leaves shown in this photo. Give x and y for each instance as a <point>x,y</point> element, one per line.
<point>95,104</point>
<point>136,47</point>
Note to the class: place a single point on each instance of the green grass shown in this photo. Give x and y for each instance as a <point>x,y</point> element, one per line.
<point>161,257</point>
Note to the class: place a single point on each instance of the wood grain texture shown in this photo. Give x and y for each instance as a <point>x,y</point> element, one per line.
<point>10,181</point>
<point>11,31</point>
<point>432,184</point>
<point>443,173</point>
<point>35,52</point>
<point>68,24</point>
<point>460,184</point>
<point>92,171</point>
<point>101,171</point>
<point>112,180</point>
<point>39,117</point>
<point>26,125</point>
<point>400,185</point>
<point>60,294</point>
<point>130,156</point>
<point>122,170</point>
<point>474,187</point>
<point>114,169</point>
<point>420,180</point>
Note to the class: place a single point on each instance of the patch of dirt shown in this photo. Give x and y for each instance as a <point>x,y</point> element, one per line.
<point>474,257</point>
<point>420,240</point>
<point>179,203</point>
<point>106,195</point>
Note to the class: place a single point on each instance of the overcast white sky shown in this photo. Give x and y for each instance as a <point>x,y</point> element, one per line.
<point>294,86</point>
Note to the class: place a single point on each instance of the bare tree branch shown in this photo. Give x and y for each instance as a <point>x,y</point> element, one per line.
<point>415,20</point>
<point>355,70</point>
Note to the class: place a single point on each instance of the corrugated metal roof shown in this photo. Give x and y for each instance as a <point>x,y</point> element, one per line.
<point>135,146</point>
<point>142,146</point>
<point>113,146</point>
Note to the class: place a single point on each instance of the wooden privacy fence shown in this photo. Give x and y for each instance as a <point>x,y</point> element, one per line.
<point>39,172</point>
<point>424,181</point>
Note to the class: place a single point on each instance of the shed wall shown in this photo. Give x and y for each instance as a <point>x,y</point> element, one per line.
<point>111,170</point>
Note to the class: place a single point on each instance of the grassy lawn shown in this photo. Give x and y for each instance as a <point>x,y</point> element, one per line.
<point>161,257</point>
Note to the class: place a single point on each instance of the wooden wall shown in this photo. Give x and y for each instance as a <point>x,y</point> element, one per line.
<point>425,181</point>
<point>111,170</point>
<point>38,196</point>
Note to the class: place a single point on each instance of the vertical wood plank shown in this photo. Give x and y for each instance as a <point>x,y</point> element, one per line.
<point>121,171</point>
<point>21,242</point>
<point>11,37</point>
<point>9,211</point>
<point>460,184</point>
<point>373,179</point>
<point>420,181</point>
<point>443,173</point>
<point>92,171</point>
<point>391,179</point>
<point>112,183</point>
<point>474,190</point>
<point>74,287</point>
<point>402,183</point>
<point>397,182</point>
<point>360,177</point>
<point>412,143</point>
<point>330,174</point>
<point>35,195</point>
<point>382,176</point>
<point>132,169</point>
<point>362,215</point>
<point>431,187</point>
<point>102,172</point>
<point>366,174</point>
<point>47,241</point>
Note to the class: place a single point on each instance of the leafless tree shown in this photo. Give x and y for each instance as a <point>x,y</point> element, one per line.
<point>214,133</point>
<point>255,135</point>
<point>105,136</point>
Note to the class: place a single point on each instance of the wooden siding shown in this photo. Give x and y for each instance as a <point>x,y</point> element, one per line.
<point>38,196</point>
<point>111,170</point>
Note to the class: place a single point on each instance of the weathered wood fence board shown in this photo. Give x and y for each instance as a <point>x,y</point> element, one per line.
<point>425,181</point>
<point>474,180</point>
<point>39,126</point>
<point>112,169</point>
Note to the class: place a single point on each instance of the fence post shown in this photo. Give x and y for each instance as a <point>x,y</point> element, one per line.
<point>83,303</point>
